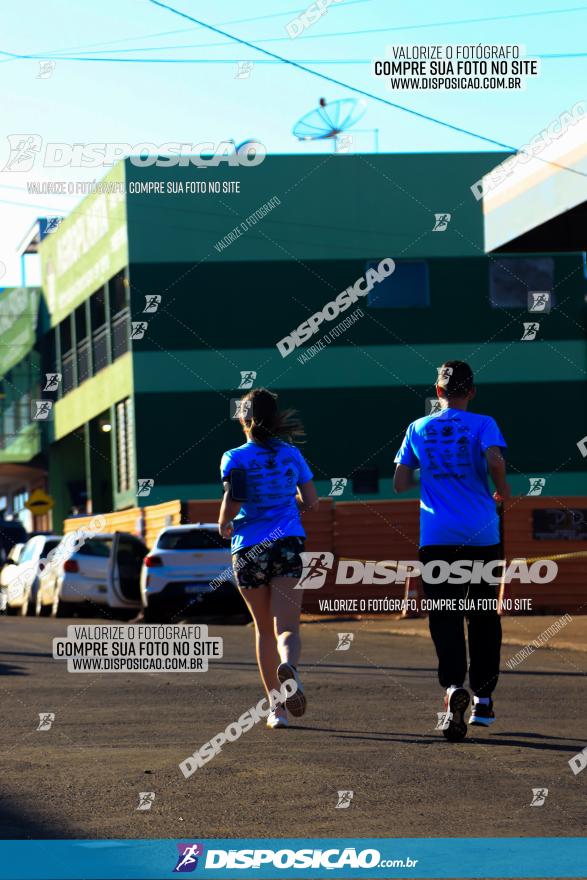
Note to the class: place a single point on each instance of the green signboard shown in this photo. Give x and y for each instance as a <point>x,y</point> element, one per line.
<point>87,248</point>
<point>18,322</point>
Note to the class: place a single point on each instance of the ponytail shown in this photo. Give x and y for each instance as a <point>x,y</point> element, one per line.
<point>265,421</point>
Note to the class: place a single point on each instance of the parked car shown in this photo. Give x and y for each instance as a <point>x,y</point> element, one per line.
<point>12,559</point>
<point>103,570</point>
<point>12,532</point>
<point>178,573</point>
<point>20,576</point>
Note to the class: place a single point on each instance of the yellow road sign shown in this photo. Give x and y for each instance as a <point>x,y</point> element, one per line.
<point>39,502</point>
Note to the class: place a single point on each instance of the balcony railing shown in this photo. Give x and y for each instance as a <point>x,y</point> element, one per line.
<point>120,333</point>
<point>84,370</point>
<point>100,348</point>
<point>68,371</point>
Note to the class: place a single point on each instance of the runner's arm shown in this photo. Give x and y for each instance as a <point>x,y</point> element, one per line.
<point>496,468</point>
<point>403,479</point>
<point>228,510</point>
<point>307,496</point>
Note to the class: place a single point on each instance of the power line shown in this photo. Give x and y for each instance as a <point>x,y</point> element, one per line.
<point>358,91</point>
<point>397,28</point>
<point>377,30</point>
<point>337,82</point>
<point>169,33</point>
<point>183,60</point>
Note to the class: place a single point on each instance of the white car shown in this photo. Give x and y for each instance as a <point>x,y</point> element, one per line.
<point>103,571</point>
<point>11,559</point>
<point>188,571</point>
<point>21,574</point>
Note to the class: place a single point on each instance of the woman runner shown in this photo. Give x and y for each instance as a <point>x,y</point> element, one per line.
<point>267,484</point>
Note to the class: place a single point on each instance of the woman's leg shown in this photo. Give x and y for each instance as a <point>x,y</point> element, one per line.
<point>258,600</point>
<point>287,604</point>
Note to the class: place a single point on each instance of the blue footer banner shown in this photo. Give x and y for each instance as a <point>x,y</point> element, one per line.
<point>413,857</point>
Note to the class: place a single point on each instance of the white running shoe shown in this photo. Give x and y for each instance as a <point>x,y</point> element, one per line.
<point>296,704</point>
<point>277,718</point>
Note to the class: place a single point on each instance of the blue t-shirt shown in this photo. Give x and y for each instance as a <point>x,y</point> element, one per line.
<point>272,475</point>
<point>456,504</point>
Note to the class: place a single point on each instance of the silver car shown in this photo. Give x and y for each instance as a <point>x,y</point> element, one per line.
<point>102,571</point>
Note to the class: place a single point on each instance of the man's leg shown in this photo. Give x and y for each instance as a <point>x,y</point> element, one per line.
<point>484,628</point>
<point>446,627</point>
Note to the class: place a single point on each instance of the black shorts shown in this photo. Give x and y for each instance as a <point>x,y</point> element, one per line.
<point>257,566</point>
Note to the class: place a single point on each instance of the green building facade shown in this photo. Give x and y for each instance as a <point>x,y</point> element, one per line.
<point>158,305</point>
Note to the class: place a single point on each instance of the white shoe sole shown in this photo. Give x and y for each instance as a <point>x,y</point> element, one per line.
<point>480,722</point>
<point>280,724</point>
<point>457,705</point>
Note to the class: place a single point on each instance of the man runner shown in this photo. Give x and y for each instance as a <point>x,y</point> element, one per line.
<point>455,450</point>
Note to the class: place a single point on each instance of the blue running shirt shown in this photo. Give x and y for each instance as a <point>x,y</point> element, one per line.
<point>456,504</point>
<point>273,474</point>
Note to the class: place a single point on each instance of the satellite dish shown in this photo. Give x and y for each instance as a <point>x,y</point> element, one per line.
<point>330,120</point>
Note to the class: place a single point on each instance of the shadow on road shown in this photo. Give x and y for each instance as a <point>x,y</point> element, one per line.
<point>26,654</point>
<point>12,669</point>
<point>312,667</point>
<point>415,739</point>
<point>372,667</point>
<point>16,825</point>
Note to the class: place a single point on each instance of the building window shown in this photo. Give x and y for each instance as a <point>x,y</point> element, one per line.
<point>119,315</point>
<point>124,445</point>
<point>18,500</point>
<point>67,355</point>
<point>82,337</point>
<point>100,334</point>
<point>511,279</point>
<point>406,288</point>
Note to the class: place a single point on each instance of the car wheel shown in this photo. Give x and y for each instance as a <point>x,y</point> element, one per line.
<point>66,609</point>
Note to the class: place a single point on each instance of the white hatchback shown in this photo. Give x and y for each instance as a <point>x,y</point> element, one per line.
<point>102,572</point>
<point>21,575</point>
<point>189,572</point>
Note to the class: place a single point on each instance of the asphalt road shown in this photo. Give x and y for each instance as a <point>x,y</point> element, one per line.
<point>369,729</point>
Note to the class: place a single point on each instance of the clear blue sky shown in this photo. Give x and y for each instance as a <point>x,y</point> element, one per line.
<point>86,101</point>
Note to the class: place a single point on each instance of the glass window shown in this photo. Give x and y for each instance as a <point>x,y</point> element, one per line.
<point>124,445</point>
<point>117,292</point>
<point>100,342</point>
<point>81,327</point>
<point>65,335</point>
<point>29,550</point>
<point>18,500</point>
<point>191,539</point>
<point>511,279</point>
<point>95,547</point>
<point>98,308</point>
<point>406,288</point>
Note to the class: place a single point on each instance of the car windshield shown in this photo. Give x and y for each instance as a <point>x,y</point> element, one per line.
<point>95,547</point>
<point>191,539</point>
